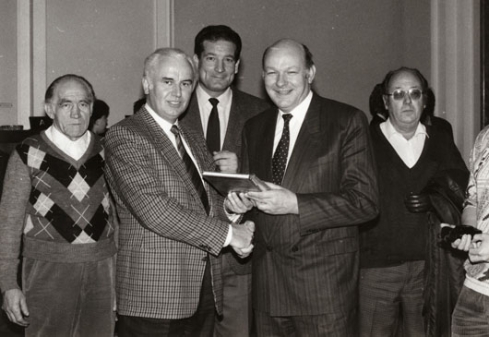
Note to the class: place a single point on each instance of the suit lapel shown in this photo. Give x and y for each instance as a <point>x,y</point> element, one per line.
<point>192,119</point>
<point>305,148</point>
<point>235,123</point>
<point>165,147</point>
<point>264,149</point>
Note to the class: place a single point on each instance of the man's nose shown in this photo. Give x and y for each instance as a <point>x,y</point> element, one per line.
<point>407,97</point>
<point>219,66</point>
<point>281,80</point>
<point>75,111</point>
<point>177,91</point>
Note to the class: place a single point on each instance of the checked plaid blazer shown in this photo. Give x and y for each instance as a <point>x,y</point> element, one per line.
<point>165,234</point>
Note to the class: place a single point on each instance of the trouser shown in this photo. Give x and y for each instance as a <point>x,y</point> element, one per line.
<point>335,324</point>
<point>391,300</point>
<point>236,311</point>
<point>471,314</point>
<point>69,299</point>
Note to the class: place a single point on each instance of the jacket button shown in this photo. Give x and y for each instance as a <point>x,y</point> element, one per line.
<point>295,249</point>
<point>269,248</point>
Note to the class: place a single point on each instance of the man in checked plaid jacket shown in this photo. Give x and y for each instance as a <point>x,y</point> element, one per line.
<point>168,277</point>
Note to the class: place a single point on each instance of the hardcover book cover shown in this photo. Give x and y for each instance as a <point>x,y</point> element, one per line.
<point>234,182</point>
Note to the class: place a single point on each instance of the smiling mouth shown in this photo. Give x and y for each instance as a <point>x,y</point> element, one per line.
<point>283,92</point>
<point>174,103</point>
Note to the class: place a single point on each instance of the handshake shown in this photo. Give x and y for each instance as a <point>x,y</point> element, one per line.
<point>242,238</point>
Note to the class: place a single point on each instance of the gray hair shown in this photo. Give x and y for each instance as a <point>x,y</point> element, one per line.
<point>151,61</point>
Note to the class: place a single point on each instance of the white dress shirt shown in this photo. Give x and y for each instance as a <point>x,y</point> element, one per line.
<point>223,109</point>
<point>73,148</point>
<point>295,124</point>
<point>408,149</point>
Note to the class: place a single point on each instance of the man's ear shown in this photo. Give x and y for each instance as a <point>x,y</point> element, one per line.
<point>236,66</point>
<point>386,100</point>
<point>311,73</point>
<point>196,61</point>
<point>49,110</point>
<point>145,84</point>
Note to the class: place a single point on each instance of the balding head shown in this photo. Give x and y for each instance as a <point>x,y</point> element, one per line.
<point>288,72</point>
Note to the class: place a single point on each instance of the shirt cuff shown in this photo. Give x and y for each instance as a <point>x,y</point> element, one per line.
<point>229,237</point>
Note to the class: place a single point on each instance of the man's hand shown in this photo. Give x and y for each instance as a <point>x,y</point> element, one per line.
<point>277,200</point>
<point>479,250</point>
<point>237,204</point>
<point>226,161</point>
<point>15,307</point>
<point>242,238</point>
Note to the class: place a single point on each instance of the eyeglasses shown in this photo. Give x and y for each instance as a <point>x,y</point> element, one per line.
<point>399,94</point>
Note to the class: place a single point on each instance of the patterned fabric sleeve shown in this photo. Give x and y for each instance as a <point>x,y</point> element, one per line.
<point>478,188</point>
<point>16,191</point>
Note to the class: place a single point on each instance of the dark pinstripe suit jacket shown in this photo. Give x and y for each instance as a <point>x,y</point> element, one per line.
<point>243,107</point>
<point>165,235</point>
<point>307,264</point>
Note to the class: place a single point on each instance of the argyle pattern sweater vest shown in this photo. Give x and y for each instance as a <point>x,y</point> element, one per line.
<point>68,203</point>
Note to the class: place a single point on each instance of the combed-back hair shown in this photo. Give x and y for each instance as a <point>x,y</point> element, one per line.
<point>216,33</point>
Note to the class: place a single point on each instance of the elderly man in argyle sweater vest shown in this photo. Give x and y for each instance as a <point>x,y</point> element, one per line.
<point>56,202</point>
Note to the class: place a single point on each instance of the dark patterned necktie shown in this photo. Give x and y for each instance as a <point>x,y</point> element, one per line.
<point>279,160</point>
<point>213,135</point>
<point>191,169</point>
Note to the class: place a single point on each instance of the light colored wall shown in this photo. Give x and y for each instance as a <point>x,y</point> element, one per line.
<point>354,43</point>
<point>104,41</point>
<point>8,62</point>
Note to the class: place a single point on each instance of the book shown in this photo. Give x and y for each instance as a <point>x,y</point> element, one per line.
<point>225,183</point>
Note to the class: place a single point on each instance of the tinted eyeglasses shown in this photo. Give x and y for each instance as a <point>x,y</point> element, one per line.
<point>399,94</point>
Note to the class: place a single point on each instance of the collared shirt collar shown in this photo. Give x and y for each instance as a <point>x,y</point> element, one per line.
<point>163,123</point>
<point>73,148</point>
<point>389,130</point>
<point>299,112</point>
<point>295,124</point>
<point>203,96</point>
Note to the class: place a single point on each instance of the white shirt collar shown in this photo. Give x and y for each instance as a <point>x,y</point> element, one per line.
<point>295,124</point>
<point>409,150</point>
<point>73,148</point>
<point>389,130</point>
<point>163,123</point>
<point>203,96</point>
<point>223,109</point>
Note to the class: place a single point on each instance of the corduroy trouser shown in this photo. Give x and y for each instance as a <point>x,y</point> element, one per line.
<point>69,299</point>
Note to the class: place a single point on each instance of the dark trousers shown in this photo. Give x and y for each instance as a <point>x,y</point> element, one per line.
<point>391,300</point>
<point>201,324</point>
<point>331,325</point>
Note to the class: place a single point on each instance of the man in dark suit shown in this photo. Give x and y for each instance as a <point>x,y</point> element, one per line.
<point>217,55</point>
<point>168,275</point>
<point>318,154</point>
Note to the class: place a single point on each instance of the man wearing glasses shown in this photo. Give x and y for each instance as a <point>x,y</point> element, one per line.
<point>409,151</point>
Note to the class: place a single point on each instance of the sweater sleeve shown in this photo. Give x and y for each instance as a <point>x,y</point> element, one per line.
<point>15,195</point>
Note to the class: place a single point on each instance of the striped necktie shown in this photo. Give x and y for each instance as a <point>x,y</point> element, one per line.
<point>191,169</point>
